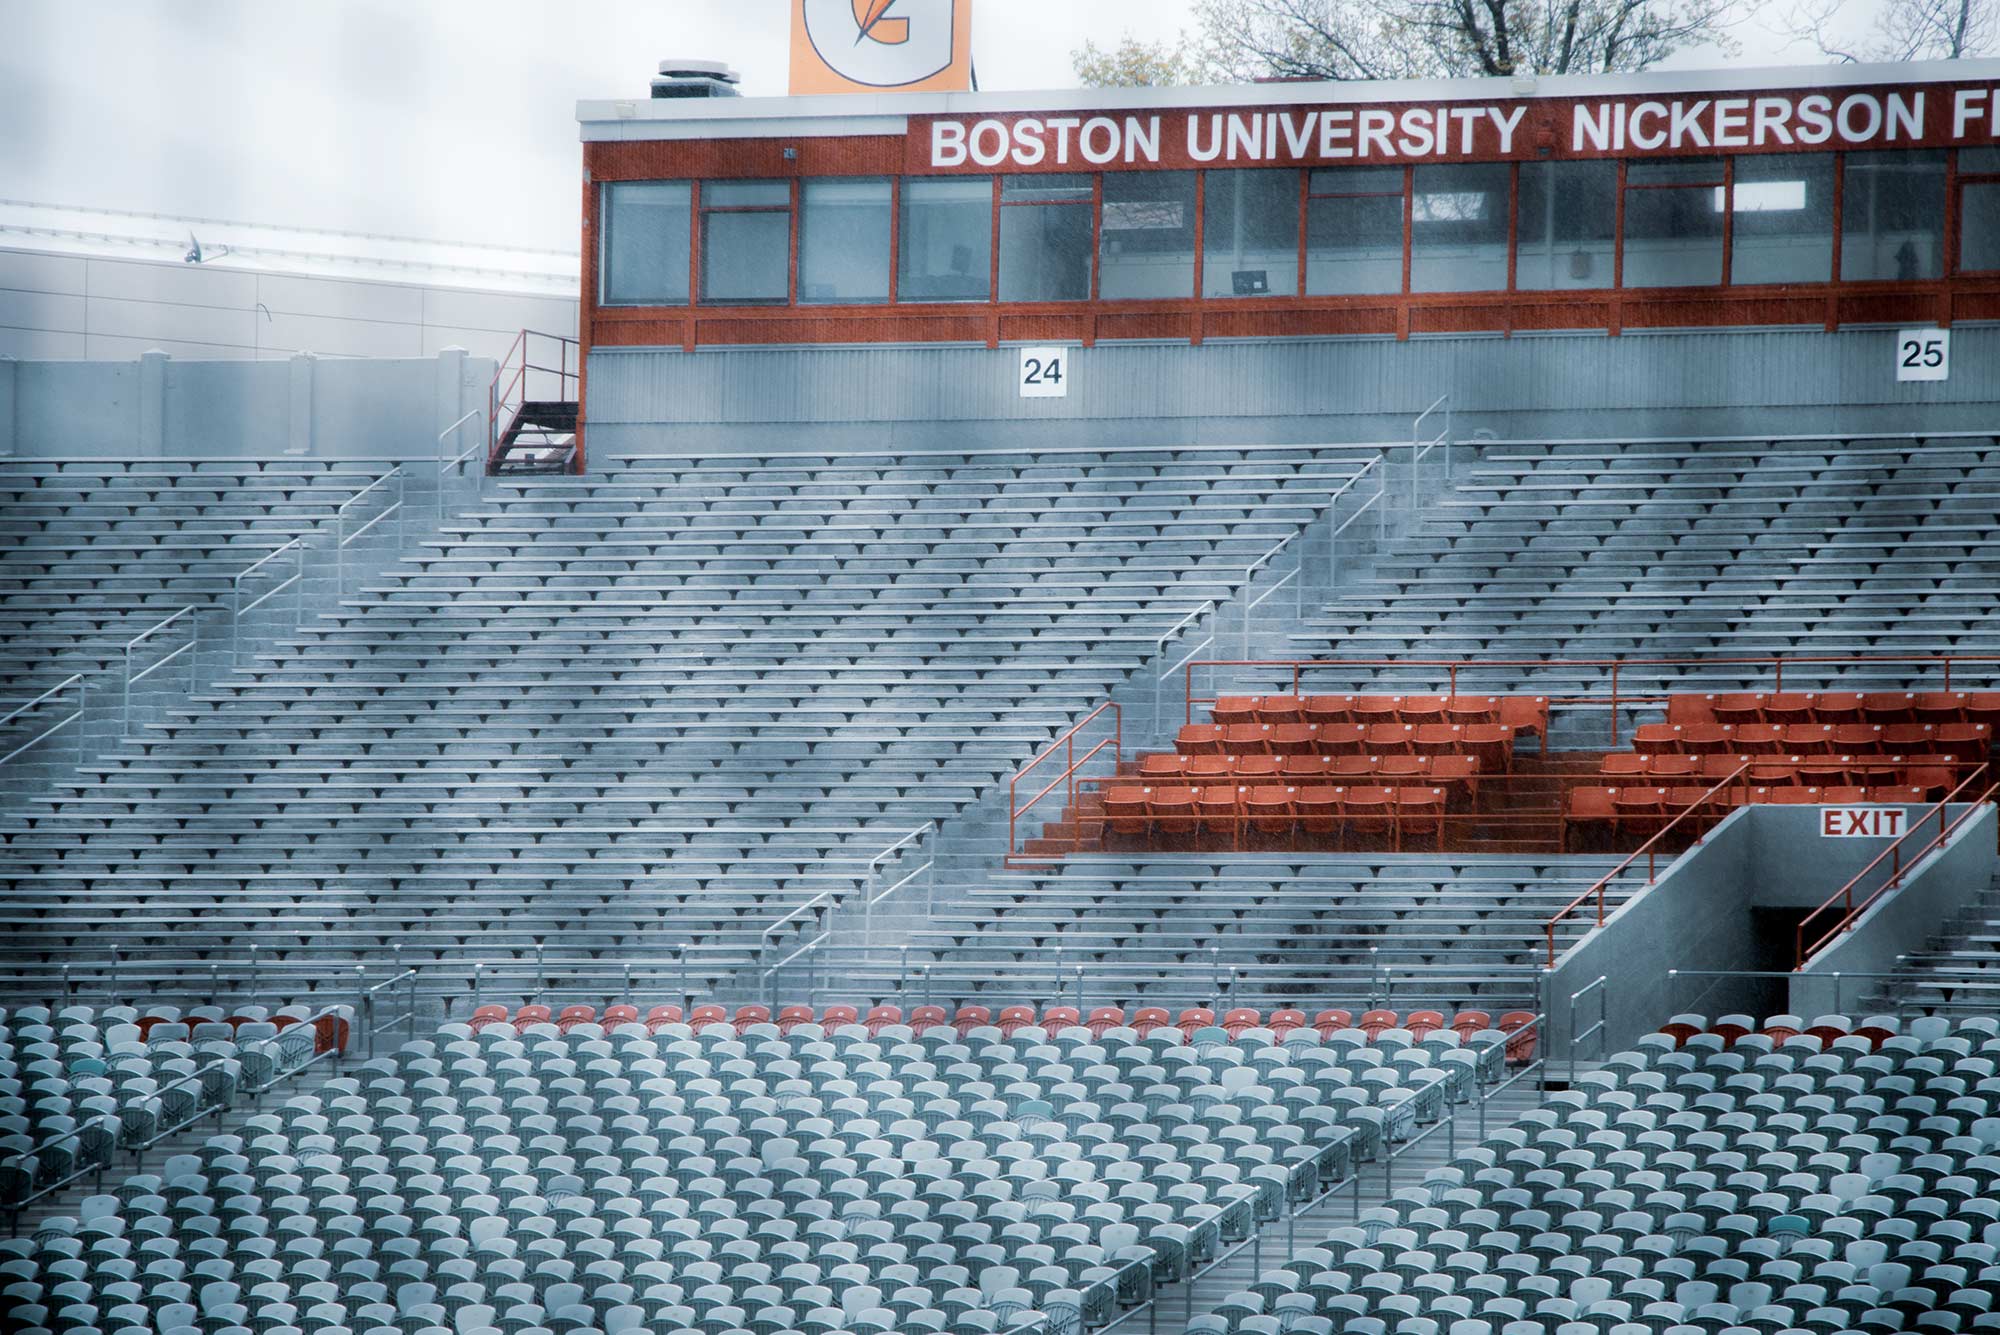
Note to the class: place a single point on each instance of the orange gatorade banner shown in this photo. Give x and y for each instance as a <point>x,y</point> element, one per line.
<point>881,46</point>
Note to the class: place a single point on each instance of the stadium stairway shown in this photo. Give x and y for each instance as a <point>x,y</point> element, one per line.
<point>1958,974</point>
<point>666,714</point>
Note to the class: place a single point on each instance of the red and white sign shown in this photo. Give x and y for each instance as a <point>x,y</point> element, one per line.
<point>1861,822</point>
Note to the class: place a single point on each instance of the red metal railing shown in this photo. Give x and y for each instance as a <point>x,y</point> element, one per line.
<point>1065,746</point>
<point>503,401</point>
<point>1616,697</point>
<point>1650,849</point>
<point>1843,898</point>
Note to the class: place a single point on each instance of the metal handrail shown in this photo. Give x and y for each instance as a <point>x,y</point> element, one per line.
<point>1844,896</point>
<point>237,609</point>
<point>125,715</point>
<point>1294,579</point>
<point>1417,455</point>
<point>499,398</point>
<point>1066,744</point>
<point>343,537</point>
<point>927,868</point>
<point>445,465</point>
<point>1160,651</point>
<point>1649,849</point>
<point>74,679</point>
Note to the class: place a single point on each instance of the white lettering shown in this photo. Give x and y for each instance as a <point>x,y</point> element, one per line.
<point>1771,117</point>
<point>983,133</point>
<point>1965,110</point>
<point>1062,125</point>
<point>1506,122</point>
<point>1418,139</point>
<point>1142,139</point>
<point>1590,129</point>
<point>947,144</point>
<point>1195,148</point>
<point>1333,127</point>
<point>1731,122</point>
<point>1687,124</point>
<point>1641,139</point>
<point>1298,141</point>
<point>1246,137</point>
<point>1373,129</point>
<point>1906,115</point>
<point>1029,147</point>
<point>1870,126</point>
<point>1468,125</point>
<point>1816,118</point>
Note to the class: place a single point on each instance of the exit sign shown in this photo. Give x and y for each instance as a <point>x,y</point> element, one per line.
<point>1861,822</point>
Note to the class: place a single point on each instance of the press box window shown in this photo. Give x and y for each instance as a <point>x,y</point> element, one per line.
<point>746,242</point>
<point>645,247</point>
<point>1045,237</point>
<point>1146,246</point>
<point>1566,225</point>
<point>1673,229</point>
<point>1979,210</point>
<point>1892,216</point>
<point>1781,230</point>
<point>1250,233</point>
<point>947,239</point>
<point>844,240</point>
<point>1354,230</point>
<point>1458,227</point>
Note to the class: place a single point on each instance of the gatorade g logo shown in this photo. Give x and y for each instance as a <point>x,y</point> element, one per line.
<point>876,45</point>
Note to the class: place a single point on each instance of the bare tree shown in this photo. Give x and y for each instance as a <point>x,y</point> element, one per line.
<point>1896,30</point>
<point>1244,40</point>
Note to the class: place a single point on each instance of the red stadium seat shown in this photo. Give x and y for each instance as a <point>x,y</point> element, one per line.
<point>1372,709</point>
<point>1282,1022</point>
<point>704,1015</point>
<point>1247,739</point>
<point>1336,739</point>
<point>1391,738</point>
<point>569,1017</point>
<point>531,1015</point>
<point>1790,707</point>
<point>1058,1018</point>
<point>1200,739</point>
<point>746,1016</point>
<point>1148,1019</point>
<point>1271,809</point>
<point>1738,709</point>
<point>1467,1023</point>
<point>1440,739</point>
<point>1218,805</point>
<point>1941,706</point>
<point>1473,710</point>
<point>1624,765</point>
<point>1839,707</point>
<point>1658,738</point>
<point>1421,709</point>
<point>1521,1035</point>
<point>1013,1018</point>
<point>1280,709</point>
<point>1709,738</point>
<point>1173,810</point>
<point>791,1017</point>
<point>881,1017</point>
<point>1261,769</point>
<point>659,1017</point>
<point>1808,738</point>
<point>616,1015</point>
<point>1295,739</point>
<point>1327,1022</point>
<point>835,1016</point>
<point>1419,813</point>
<point>1193,1018</point>
<point>1237,1021</point>
<point>1104,1019</point>
<point>1373,1023</point>
<point>1162,767</point>
<point>1421,1024</point>
<point>1127,810</point>
<point>1887,707</point>
<point>1235,709</point>
<point>1667,769</point>
<point>1319,809</point>
<point>1328,709</point>
<point>926,1017</point>
<point>970,1018</point>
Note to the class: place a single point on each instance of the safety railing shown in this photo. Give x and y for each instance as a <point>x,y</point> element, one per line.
<point>74,718</point>
<point>1421,448</point>
<point>1184,627</point>
<point>446,462</point>
<point>1650,850</point>
<point>514,381</point>
<point>190,629</point>
<point>342,538</point>
<point>1064,746</point>
<point>405,978</point>
<point>297,582</point>
<point>1842,901</point>
<point>926,867</point>
<point>1377,501</point>
<point>1600,1030</point>
<point>1295,579</point>
<point>1836,980</point>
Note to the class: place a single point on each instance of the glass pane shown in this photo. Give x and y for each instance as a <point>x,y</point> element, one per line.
<point>1783,225</point>
<point>1356,181</point>
<point>1354,244</point>
<point>1892,216</point>
<point>645,248</point>
<point>1055,187</point>
<point>947,239</point>
<point>1979,160</point>
<point>1146,247</point>
<point>1458,227</point>
<point>1045,254</point>
<point>1673,171</point>
<point>745,257</point>
<point>1250,234</point>
<point>1568,225</point>
<point>746,194</point>
<point>1979,227</point>
<point>844,240</point>
<point>1673,238</point>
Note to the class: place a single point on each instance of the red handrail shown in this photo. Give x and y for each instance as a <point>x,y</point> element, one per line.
<point>1850,911</point>
<point>1651,866</point>
<point>1067,744</point>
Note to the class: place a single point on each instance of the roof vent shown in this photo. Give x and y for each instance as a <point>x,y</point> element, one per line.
<point>696,78</point>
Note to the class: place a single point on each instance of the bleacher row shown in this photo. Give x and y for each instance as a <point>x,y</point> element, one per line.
<point>668,705</point>
<point>526,1175</point>
<point>1836,1185</point>
<point>81,1085</point>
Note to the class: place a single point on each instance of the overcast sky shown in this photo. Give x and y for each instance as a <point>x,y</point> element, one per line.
<point>440,118</point>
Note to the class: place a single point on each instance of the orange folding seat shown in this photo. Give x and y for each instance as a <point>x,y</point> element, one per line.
<point>1624,765</point>
<point>569,1017</point>
<point>1439,739</point>
<point>1467,1023</point>
<point>1173,810</point>
<point>1760,738</point>
<point>1326,709</point>
<point>1103,1019</point>
<point>1162,766</point>
<point>1328,1022</point>
<point>1967,741</point>
<point>1934,780</point>
<point>749,1015</point>
<point>1808,738</point>
<point>481,1017</point>
<point>1680,1033</point>
<point>1370,810</point>
<point>1889,706</point>
<point>1208,769</point>
<point>1218,805</point>
<point>926,1017</point>
<point>1895,794</point>
<point>1704,739</point>
<point>1457,775</point>
<point>1276,709</point>
<point>1941,706</point>
<point>1342,738</point>
<point>1527,714</point>
<point>1789,707</point>
<point>1294,739</point>
<point>1839,707</point>
<point>1236,709</point>
<point>1419,812</point>
<point>1908,737</point>
<point>1013,1018</point>
<point>970,1018</point>
<point>1852,737</point>
<point>1148,1019</point>
<point>1739,708</point>
<point>1127,810</point>
<point>791,1017</point>
<point>706,1014</point>
<point>1199,739</point>
<point>1466,710</point>
<point>1058,1018</point>
<point>1493,744</point>
<point>1247,739</point>
<point>1305,769</point>
<point>1795,796</point>
<point>1521,1034</point>
<point>1728,1032</point>
<point>839,1014</point>
<point>1715,768</point>
<point>1639,810</point>
<point>1684,798</point>
<point>1659,737</point>
<point>1193,1018</point>
<point>1373,1023</point>
<point>1982,707</point>
<point>1261,769</point>
<point>1391,738</point>
<point>1775,771</point>
<point>1421,709</point>
<point>659,1017</point>
<point>1355,767</point>
<point>1665,769</point>
<point>1588,805</point>
<point>1846,795</point>
<point>1421,1024</point>
<point>531,1015</point>
<point>1271,810</point>
<point>1282,1022</point>
<point>1398,770</point>
<point>1319,809</point>
<point>1868,771</point>
<point>1376,708</point>
<point>1242,1018</point>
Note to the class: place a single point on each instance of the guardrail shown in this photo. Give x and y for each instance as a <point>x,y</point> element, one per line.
<point>297,547</point>
<point>1174,632</point>
<point>1649,848</point>
<point>343,538</point>
<point>446,465</point>
<point>82,690</point>
<point>193,643</point>
<point>1065,745</point>
<point>1844,897</point>
<point>926,869</point>
<point>1420,449</point>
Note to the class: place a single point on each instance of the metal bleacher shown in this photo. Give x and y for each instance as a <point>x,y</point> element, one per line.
<point>675,709</point>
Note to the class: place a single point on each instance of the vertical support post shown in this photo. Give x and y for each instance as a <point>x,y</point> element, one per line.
<point>299,404</point>
<point>152,424</point>
<point>450,401</point>
<point>477,981</point>
<point>10,383</point>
